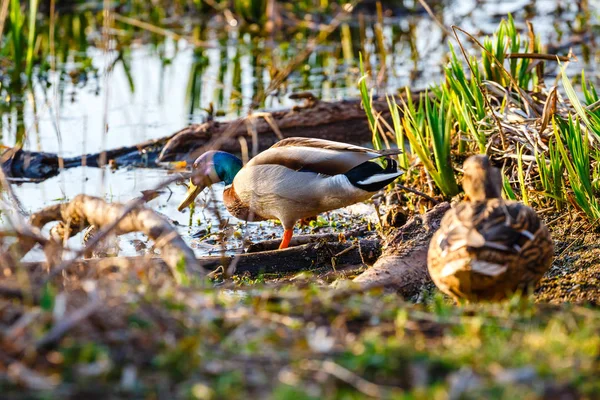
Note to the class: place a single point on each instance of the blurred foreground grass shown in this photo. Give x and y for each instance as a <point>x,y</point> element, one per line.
<point>293,341</point>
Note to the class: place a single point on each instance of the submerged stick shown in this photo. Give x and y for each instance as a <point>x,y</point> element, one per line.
<point>34,166</point>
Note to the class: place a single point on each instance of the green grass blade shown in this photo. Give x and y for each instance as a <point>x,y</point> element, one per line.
<point>33,6</point>
<point>367,103</point>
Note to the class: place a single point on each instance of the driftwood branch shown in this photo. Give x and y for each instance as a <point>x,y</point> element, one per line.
<point>84,211</point>
<point>403,264</point>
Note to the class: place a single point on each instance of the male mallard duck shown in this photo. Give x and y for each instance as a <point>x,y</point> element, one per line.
<point>486,247</point>
<point>294,179</point>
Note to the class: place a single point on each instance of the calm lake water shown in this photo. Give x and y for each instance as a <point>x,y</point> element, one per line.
<point>162,88</point>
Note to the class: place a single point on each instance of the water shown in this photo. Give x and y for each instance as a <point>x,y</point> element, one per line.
<point>161,88</point>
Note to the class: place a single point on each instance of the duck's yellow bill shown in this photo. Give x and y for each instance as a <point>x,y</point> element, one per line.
<point>190,196</point>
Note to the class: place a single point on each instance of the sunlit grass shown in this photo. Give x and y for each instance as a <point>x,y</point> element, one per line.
<point>367,103</point>
<point>577,162</point>
<point>590,119</point>
<point>293,342</point>
<point>521,175</point>
<point>439,127</point>
<point>551,174</point>
<point>453,120</point>
<point>507,40</point>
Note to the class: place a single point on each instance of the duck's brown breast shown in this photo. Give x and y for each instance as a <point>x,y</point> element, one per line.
<point>237,208</point>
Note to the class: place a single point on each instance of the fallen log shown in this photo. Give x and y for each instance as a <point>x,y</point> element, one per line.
<point>293,259</point>
<point>32,166</point>
<point>343,121</point>
<point>21,165</point>
<point>403,264</point>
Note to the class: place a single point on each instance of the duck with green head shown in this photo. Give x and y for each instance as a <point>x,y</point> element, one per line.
<point>296,178</point>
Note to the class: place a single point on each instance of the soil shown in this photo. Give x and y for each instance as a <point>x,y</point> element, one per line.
<point>575,273</point>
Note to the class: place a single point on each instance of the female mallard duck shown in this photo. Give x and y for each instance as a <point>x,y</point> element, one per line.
<point>486,247</point>
<point>294,179</point>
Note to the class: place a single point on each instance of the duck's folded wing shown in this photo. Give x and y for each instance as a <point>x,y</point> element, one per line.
<point>331,145</point>
<point>497,225</point>
<point>317,155</point>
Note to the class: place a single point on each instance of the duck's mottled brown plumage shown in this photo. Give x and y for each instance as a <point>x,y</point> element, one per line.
<point>488,248</point>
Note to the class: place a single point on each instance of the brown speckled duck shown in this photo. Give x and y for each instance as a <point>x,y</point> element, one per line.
<point>294,179</point>
<point>488,248</point>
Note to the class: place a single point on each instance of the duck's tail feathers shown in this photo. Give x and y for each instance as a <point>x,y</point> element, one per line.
<point>371,176</point>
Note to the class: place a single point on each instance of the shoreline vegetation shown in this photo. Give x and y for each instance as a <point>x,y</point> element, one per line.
<point>347,314</point>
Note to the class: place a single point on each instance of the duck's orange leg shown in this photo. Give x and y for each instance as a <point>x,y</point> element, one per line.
<point>287,236</point>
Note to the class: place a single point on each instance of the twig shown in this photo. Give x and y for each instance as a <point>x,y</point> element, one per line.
<point>594,106</point>
<point>539,56</point>
<point>347,250</point>
<point>61,328</point>
<point>359,383</point>
<point>303,239</point>
<point>106,229</point>
<point>581,235</point>
<point>434,18</point>
<point>549,109</point>
<point>418,193</point>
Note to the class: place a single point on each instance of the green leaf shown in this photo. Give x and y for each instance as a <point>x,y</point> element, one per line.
<point>181,272</point>
<point>47,297</point>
